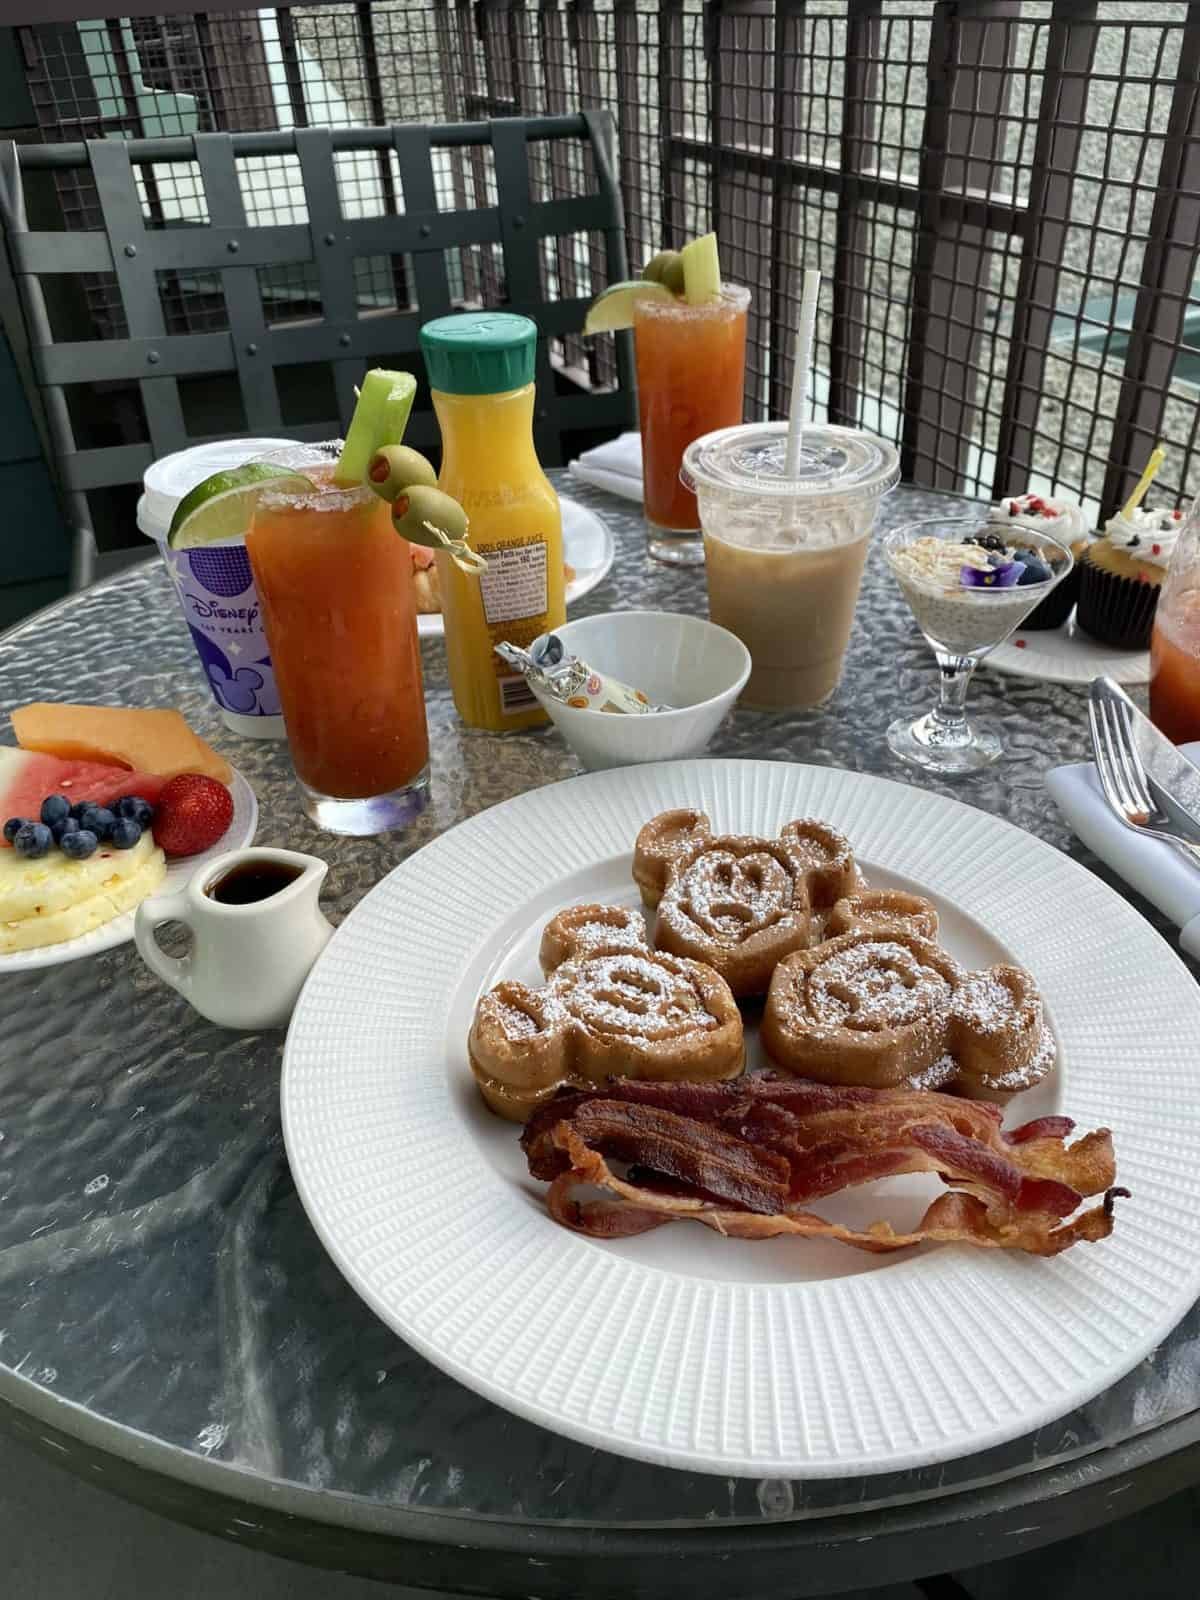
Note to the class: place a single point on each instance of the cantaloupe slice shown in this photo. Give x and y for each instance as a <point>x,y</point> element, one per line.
<point>148,741</point>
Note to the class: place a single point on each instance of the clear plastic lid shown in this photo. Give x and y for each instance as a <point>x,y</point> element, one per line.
<point>169,478</point>
<point>836,464</point>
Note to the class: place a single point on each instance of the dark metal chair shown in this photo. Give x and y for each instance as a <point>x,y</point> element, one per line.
<point>242,283</point>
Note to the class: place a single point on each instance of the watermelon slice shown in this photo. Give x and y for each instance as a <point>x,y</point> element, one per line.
<point>26,778</point>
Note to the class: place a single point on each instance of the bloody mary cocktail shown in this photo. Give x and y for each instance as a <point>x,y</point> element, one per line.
<point>1175,669</point>
<point>691,369</point>
<point>336,587</point>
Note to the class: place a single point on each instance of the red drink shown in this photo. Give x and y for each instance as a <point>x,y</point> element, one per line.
<point>691,370</point>
<point>336,587</point>
<point>1175,670</point>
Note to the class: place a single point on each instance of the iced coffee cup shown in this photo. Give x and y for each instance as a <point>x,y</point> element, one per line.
<point>784,555</point>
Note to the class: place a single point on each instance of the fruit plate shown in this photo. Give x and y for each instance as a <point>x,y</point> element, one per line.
<point>777,1358</point>
<point>587,546</point>
<point>1067,655</point>
<point>240,832</point>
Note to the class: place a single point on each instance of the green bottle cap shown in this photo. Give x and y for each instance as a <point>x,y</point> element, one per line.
<point>479,352</point>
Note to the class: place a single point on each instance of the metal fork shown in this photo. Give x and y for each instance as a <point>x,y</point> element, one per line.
<point>1122,776</point>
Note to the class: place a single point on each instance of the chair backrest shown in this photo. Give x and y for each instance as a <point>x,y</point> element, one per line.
<point>262,273</point>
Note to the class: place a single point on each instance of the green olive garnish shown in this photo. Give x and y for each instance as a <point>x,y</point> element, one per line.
<point>394,468</point>
<point>655,269</point>
<point>419,504</point>
<point>672,276</point>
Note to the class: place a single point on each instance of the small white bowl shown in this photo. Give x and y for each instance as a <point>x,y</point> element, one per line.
<point>679,661</point>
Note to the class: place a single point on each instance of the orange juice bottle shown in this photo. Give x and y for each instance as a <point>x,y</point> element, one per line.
<point>480,367</point>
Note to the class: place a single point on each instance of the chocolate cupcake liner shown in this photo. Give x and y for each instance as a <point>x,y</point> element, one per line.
<point>1054,610</point>
<point>1116,611</point>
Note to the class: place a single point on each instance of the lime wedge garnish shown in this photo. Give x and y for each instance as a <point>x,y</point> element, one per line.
<point>380,418</point>
<point>613,309</point>
<point>701,271</point>
<point>221,507</point>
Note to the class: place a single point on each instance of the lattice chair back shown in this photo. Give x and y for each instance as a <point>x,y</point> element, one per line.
<point>242,283</point>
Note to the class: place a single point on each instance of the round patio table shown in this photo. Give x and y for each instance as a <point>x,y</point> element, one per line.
<point>171,1327</point>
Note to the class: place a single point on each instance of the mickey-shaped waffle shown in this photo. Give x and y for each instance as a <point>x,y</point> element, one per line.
<point>881,1006</point>
<point>740,903</point>
<point>612,1008</point>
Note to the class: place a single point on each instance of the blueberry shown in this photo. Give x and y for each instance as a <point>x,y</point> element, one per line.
<point>136,809</point>
<point>1036,570</point>
<point>33,840</point>
<point>80,807</point>
<point>62,827</point>
<point>97,820</point>
<point>80,844</point>
<point>54,808</point>
<point>124,833</point>
<point>11,827</point>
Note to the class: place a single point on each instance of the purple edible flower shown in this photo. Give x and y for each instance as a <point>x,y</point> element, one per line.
<point>1002,577</point>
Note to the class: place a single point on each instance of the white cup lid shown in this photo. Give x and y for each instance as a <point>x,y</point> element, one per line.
<point>167,480</point>
<point>841,464</point>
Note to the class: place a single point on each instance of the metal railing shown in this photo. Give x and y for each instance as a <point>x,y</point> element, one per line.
<point>1003,195</point>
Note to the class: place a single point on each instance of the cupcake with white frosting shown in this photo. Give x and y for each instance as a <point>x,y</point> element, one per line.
<point>1121,576</point>
<point>1063,520</point>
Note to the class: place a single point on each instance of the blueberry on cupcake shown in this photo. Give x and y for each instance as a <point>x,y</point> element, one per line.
<point>1064,521</point>
<point>1122,574</point>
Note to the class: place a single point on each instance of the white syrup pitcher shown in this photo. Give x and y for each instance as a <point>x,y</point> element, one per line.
<point>256,930</point>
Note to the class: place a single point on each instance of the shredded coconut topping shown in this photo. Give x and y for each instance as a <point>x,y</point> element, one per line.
<point>939,561</point>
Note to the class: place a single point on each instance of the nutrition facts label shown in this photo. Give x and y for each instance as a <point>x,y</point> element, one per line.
<point>514,585</point>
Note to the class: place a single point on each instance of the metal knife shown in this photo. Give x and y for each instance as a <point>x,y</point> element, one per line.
<point>1174,780</point>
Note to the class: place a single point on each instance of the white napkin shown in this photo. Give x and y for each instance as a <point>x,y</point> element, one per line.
<point>1155,869</point>
<point>615,466</point>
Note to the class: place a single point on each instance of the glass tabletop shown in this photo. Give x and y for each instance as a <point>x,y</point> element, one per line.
<point>157,1272</point>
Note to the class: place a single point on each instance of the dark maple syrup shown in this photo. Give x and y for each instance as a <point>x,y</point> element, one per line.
<point>251,881</point>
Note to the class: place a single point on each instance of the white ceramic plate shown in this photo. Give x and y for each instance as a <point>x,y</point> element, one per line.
<point>120,930</point>
<point>1067,655</point>
<point>782,1358</point>
<point>587,546</point>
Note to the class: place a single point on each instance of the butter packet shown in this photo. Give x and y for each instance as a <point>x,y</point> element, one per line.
<point>549,666</point>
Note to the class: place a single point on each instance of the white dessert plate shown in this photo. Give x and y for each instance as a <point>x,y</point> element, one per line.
<point>240,832</point>
<point>1067,655</point>
<point>780,1358</point>
<point>587,547</point>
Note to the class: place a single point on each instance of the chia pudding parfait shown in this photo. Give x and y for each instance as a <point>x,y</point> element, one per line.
<point>969,588</point>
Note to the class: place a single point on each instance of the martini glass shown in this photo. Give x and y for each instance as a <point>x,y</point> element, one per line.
<point>962,624</point>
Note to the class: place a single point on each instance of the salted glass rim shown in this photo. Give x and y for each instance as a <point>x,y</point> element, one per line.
<point>321,497</point>
<point>735,296</point>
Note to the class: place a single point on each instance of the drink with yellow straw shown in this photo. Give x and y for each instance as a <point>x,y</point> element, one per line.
<point>1122,573</point>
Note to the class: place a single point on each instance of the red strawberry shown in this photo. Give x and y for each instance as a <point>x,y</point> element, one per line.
<point>191,814</point>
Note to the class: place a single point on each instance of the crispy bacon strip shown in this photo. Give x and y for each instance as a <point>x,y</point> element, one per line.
<point>726,1168</point>
<point>745,1158</point>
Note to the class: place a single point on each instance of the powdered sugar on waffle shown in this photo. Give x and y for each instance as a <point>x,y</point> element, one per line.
<point>875,986</point>
<point>730,897</point>
<point>625,993</point>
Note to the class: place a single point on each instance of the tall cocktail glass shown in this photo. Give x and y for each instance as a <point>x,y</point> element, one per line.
<point>691,371</point>
<point>336,587</point>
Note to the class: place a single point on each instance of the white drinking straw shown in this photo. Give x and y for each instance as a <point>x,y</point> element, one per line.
<point>803,354</point>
